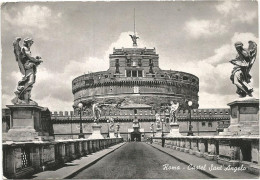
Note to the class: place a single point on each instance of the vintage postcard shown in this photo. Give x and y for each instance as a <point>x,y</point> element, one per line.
<point>130,90</point>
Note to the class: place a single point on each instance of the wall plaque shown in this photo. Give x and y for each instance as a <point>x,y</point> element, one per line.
<point>249,110</point>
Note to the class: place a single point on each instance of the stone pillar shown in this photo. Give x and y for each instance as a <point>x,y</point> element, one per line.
<point>96,134</point>
<point>72,150</point>
<point>90,149</point>
<point>26,124</point>
<point>81,151</point>
<point>175,131</point>
<point>85,147</point>
<point>36,159</point>
<point>158,132</point>
<point>93,145</point>
<point>62,151</point>
<point>112,134</point>
<point>25,120</point>
<point>244,117</point>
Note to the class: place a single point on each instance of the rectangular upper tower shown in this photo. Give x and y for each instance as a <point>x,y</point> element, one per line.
<point>134,62</point>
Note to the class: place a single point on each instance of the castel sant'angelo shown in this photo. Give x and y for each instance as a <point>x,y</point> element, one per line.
<point>135,80</point>
<point>131,92</point>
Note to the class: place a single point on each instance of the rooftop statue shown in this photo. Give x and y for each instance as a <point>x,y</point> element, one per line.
<point>28,67</point>
<point>134,39</point>
<point>243,63</point>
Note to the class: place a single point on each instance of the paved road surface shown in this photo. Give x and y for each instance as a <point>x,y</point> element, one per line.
<point>137,160</point>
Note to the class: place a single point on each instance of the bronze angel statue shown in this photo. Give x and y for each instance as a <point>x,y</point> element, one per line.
<point>28,67</point>
<point>134,39</point>
<point>243,63</point>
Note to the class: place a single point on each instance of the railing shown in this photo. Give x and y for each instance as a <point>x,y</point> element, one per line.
<point>226,150</point>
<point>23,159</point>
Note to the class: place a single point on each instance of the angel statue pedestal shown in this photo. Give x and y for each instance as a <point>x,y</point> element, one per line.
<point>175,131</point>
<point>244,118</point>
<point>112,134</point>
<point>96,133</point>
<point>158,132</point>
<point>29,123</point>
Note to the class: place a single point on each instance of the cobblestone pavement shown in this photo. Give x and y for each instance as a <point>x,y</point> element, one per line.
<point>137,160</point>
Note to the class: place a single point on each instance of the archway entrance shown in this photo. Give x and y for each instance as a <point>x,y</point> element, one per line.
<point>135,135</point>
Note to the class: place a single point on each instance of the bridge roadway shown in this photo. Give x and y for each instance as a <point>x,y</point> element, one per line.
<point>136,160</point>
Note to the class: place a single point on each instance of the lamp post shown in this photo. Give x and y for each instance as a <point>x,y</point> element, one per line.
<point>162,127</point>
<point>108,128</point>
<point>190,133</point>
<point>152,128</point>
<point>117,128</point>
<point>81,135</point>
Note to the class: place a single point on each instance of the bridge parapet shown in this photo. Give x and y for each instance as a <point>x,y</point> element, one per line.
<point>225,150</point>
<point>21,159</point>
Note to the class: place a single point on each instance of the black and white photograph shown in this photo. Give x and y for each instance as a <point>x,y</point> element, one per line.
<point>130,89</point>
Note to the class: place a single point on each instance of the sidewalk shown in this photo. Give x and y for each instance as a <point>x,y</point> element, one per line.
<point>77,165</point>
<point>196,161</point>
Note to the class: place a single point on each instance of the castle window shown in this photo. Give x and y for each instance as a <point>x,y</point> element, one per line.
<point>134,73</point>
<point>139,62</point>
<point>106,76</point>
<point>162,75</point>
<point>203,123</point>
<point>140,73</point>
<point>128,62</point>
<point>117,66</point>
<point>177,77</point>
<point>128,73</point>
<point>210,124</point>
<point>135,111</point>
<point>185,78</point>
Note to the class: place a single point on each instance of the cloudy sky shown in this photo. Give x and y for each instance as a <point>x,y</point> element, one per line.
<point>74,38</point>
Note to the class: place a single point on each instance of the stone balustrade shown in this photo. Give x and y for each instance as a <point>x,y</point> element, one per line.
<point>23,159</point>
<point>226,150</point>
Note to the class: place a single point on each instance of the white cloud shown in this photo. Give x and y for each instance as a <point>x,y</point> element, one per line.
<point>221,54</point>
<point>227,7</point>
<point>216,89</point>
<point>236,13</point>
<point>204,28</point>
<point>33,16</point>
<point>246,17</point>
<point>244,38</point>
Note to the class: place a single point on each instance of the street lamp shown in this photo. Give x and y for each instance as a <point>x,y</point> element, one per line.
<point>117,128</point>
<point>162,127</point>
<point>108,121</point>
<point>81,135</point>
<point>152,128</point>
<point>190,133</point>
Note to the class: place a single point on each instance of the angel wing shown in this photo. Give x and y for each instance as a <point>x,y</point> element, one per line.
<point>252,49</point>
<point>18,54</point>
